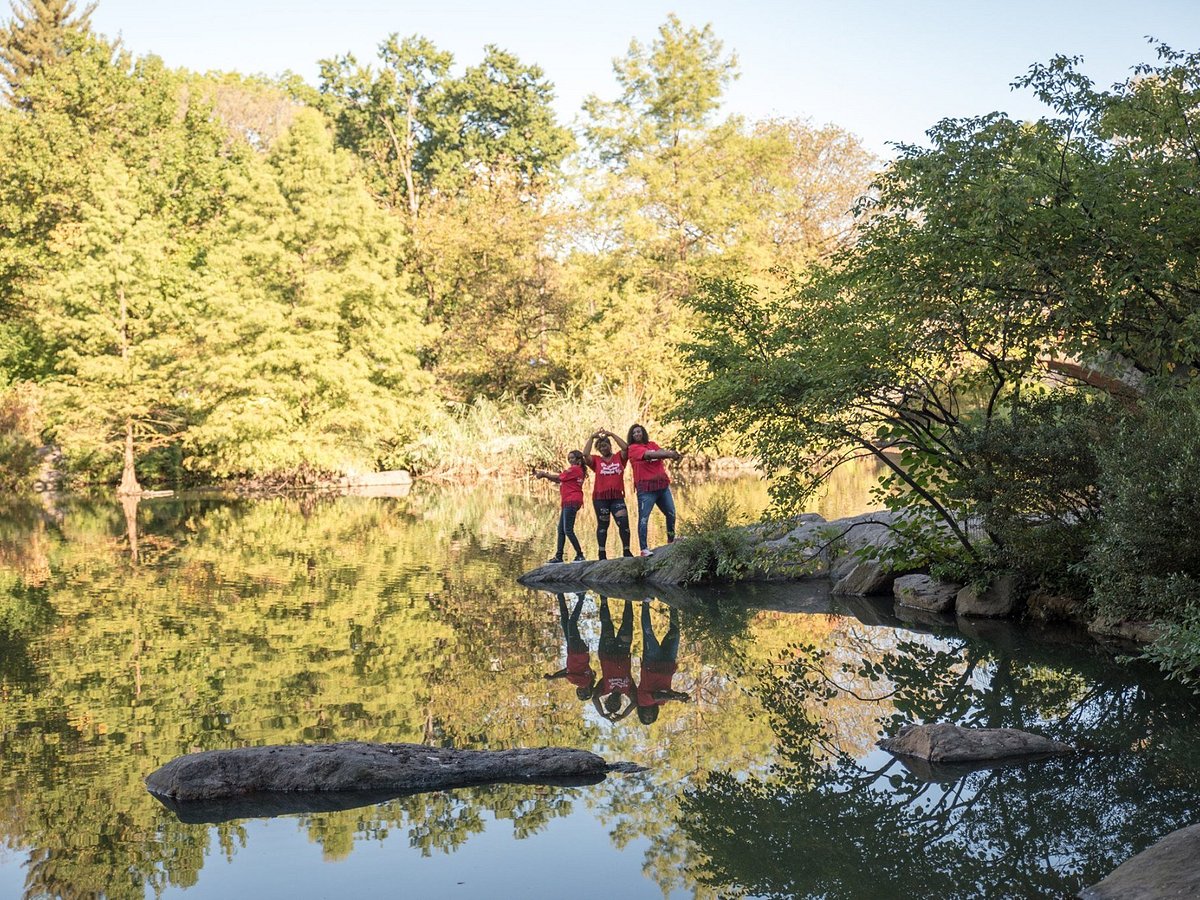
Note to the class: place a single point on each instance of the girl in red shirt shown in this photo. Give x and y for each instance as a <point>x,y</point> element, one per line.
<point>608,492</point>
<point>651,482</point>
<point>578,670</point>
<point>570,486</point>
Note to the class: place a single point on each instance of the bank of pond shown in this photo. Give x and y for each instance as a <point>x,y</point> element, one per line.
<point>385,620</point>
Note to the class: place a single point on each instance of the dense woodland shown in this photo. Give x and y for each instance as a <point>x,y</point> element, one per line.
<point>215,276</point>
<point>413,263</point>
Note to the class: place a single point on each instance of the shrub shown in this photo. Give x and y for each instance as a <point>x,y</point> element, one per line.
<point>718,544</point>
<point>1146,560</point>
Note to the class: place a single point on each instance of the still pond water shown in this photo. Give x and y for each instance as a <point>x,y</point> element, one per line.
<point>241,622</point>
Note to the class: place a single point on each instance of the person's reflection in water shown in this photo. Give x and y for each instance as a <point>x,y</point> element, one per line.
<point>616,665</point>
<point>658,667</point>
<point>578,670</point>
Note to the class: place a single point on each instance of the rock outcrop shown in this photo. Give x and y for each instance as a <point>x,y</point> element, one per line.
<point>851,553</point>
<point>1169,869</point>
<point>373,768</point>
<point>942,742</point>
<point>923,592</point>
<point>997,600</point>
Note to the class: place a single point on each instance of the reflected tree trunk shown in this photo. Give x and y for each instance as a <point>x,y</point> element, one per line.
<point>129,506</point>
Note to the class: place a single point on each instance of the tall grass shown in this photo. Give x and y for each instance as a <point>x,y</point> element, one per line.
<point>506,436</point>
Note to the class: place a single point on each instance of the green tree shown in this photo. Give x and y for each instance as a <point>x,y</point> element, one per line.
<point>113,175</point>
<point>35,37</point>
<point>676,195</point>
<point>391,118</point>
<point>116,304</point>
<point>1003,255</point>
<point>312,340</point>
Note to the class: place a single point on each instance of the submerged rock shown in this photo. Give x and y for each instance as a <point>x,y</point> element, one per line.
<point>1130,630</point>
<point>357,766</point>
<point>942,742</point>
<point>1168,869</point>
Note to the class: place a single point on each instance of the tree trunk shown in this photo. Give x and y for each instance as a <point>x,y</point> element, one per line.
<point>129,484</point>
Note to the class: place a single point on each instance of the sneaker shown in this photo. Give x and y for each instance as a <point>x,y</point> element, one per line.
<point>554,559</point>
<point>628,553</point>
<point>603,554</point>
<point>579,557</point>
<point>647,553</point>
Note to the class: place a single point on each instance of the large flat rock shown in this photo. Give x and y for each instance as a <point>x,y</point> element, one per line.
<point>1169,869</point>
<point>356,766</point>
<point>943,742</point>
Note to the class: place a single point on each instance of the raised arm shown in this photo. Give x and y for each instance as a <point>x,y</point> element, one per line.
<point>618,441</point>
<point>587,449</point>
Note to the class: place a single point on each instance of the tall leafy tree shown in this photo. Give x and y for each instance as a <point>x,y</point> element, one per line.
<point>312,339</point>
<point>117,304</point>
<point>391,116</point>
<point>675,194</point>
<point>113,175</point>
<point>468,162</point>
<point>34,37</point>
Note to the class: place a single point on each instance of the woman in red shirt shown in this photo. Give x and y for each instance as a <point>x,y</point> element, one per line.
<point>570,486</point>
<point>614,696</point>
<point>658,667</point>
<point>651,483</point>
<point>608,491</point>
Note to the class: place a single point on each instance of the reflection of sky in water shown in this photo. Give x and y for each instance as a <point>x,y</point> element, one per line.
<point>564,860</point>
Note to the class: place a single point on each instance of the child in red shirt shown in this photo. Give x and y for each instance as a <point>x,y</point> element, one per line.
<point>570,486</point>
<point>608,491</point>
<point>578,670</point>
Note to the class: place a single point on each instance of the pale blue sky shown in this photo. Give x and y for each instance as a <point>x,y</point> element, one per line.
<point>884,70</point>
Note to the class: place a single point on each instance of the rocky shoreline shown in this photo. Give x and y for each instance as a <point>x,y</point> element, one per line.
<point>858,556</point>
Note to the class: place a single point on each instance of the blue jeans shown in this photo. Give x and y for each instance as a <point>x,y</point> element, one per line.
<point>566,531</point>
<point>646,503</point>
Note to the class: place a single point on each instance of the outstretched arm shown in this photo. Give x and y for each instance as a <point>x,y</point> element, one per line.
<point>662,454</point>
<point>549,476</point>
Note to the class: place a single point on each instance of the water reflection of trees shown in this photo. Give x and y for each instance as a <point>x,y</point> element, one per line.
<point>833,821</point>
<point>277,621</point>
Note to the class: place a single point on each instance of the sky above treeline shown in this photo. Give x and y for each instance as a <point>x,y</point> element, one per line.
<point>883,69</point>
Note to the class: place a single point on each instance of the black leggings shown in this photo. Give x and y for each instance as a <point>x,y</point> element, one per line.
<point>617,510</point>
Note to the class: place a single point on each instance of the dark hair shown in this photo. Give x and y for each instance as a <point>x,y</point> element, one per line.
<point>581,457</point>
<point>601,441</point>
<point>629,437</point>
<point>612,702</point>
<point>584,693</point>
<point>648,714</point>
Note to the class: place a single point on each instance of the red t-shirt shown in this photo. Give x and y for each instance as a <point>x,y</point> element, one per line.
<point>617,675</point>
<point>648,474</point>
<point>656,676</point>
<point>610,477</point>
<point>579,668</point>
<point>570,485</point>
